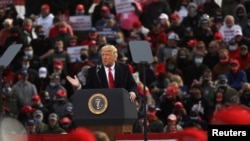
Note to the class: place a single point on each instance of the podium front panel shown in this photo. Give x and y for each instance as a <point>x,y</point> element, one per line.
<point>117,107</point>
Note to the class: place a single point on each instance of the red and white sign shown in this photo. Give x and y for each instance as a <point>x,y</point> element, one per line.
<point>3,3</point>
<point>74,53</point>
<point>122,6</point>
<point>80,23</point>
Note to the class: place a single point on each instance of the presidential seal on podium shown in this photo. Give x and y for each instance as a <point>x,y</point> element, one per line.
<point>98,103</point>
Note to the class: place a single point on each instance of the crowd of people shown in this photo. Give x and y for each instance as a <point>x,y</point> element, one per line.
<point>200,61</point>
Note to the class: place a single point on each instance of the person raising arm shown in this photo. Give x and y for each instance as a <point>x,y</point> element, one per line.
<point>109,74</point>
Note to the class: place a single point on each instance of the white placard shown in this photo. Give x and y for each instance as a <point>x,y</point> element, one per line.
<point>122,6</point>
<point>3,3</point>
<point>80,23</point>
<point>74,53</point>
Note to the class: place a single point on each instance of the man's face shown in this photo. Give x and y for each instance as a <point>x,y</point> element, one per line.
<point>108,58</point>
<point>52,122</point>
<point>229,22</point>
<point>44,11</point>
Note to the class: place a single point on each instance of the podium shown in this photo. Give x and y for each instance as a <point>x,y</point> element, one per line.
<point>107,110</point>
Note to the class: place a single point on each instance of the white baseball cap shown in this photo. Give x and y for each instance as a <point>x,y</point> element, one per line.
<point>42,72</point>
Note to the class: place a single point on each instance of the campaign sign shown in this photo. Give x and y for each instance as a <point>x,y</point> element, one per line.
<point>80,23</point>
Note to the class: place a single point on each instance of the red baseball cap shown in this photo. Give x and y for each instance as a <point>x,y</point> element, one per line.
<point>27,109</point>
<point>192,134</point>
<point>137,24</point>
<point>36,98</point>
<point>232,115</point>
<point>45,6</point>
<point>105,9</point>
<point>217,36</point>
<point>175,16</point>
<point>65,120</point>
<point>58,64</point>
<point>61,93</point>
<point>80,7</point>
<point>178,104</point>
<point>81,134</point>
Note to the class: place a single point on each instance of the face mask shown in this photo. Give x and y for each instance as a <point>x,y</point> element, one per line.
<point>246,93</point>
<point>47,98</point>
<point>79,12</point>
<point>222,85</point>
<point>26,66</point>
<point>60,99</point>
<point>207,78</point>
<point>38,120</point>
<point>57,50</point>
<point>41,34</point>
<point>65,126</point>
<point>232,47</point>
<point>240,15</point>
<point>52,84</point>
<point>84,57</point>
<point>198,60</point>
<point>183,57</point>
<point>218,18</point>
<point>171,67</point>
<point>28,53</point>
<point>118,40</point>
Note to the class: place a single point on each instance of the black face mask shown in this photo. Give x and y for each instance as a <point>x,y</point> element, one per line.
<point>206,80</point>
<point>41,35</point>
<point>46,100</point>
<point>222,88</point>
<point>84,57</point>
<point>65,126</point>
<point>240,15</point>
<point>246,94</point>
<point>218,18</point>
<point>57,50</point>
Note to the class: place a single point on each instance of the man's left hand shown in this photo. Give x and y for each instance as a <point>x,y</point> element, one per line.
<point>132,96</point>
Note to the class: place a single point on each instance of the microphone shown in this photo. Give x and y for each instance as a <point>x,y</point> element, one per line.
<point>98,67</point>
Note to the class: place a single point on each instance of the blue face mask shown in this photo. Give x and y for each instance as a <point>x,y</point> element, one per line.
<point>52,84</point>
<point>38,120</point>
<point>28,53</point>
<point>232,47</point>
<point>198,61</point>
<point>171,67</point>
<point>118,40</point>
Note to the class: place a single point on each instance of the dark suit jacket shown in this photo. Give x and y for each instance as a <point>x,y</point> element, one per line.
<point>96,78</point>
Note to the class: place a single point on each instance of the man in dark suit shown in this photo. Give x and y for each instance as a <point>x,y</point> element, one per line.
<point>99,75</point>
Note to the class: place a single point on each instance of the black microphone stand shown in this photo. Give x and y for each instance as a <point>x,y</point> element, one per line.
<point>144,102</point>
